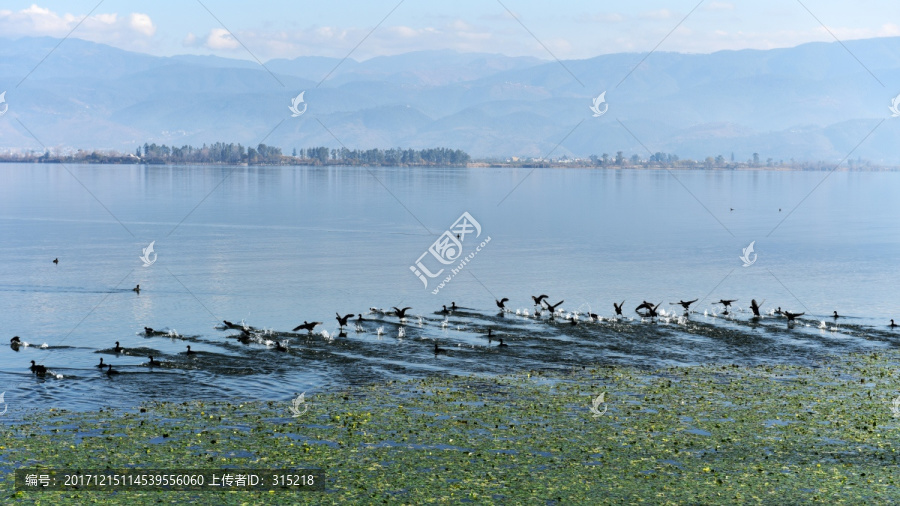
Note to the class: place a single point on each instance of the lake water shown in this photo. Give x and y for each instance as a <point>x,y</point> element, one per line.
<point>276,246</point>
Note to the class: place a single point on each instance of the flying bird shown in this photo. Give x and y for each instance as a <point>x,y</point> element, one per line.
<point>685,304</point>
<point>619,307</point>
<point>552,307</point>
<point>651,311</point>
<point>501,303</point>
<point>791,316</point>
<point>342,320</point>
<point>401,313</point>
<point>537,300</point>
<point>755,307</point>
<point>308,326</point>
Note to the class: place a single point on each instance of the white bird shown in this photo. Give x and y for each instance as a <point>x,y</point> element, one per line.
<point>401,333</point>
<point>380,331</point>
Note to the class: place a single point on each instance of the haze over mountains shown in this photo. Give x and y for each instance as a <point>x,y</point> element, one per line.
<point>811,102</point>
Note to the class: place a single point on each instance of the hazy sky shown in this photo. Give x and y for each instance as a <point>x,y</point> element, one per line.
<point>568,29</point>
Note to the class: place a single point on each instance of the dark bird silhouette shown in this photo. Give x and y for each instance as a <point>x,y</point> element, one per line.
<point>230,325</point>
<point>619,307</point>
<point>189,352</point>
<point>401,313</point>
<point>101,365</point>
<point>110,371</point>
<point>537,300</point>
<point>342,320</point>
<point>835,315</point>
<point>651,311</point>
<point>38,369</point>
<point>308,326</point>
<point>279,346</point>
<point>148,331</point>
<point>644,305</point>
<point>438,349</point>
<point>445,310</point>
<point>501,303</point>
<point>892,325</point>
<point>779,311</point>
<point>755,307</point>
<point>593,315</point>
<point>245,336</point>
<point>56,261</point>
<point>452,306</point>
<point>791,316</point>
<point>552,307</point>
<point>502,343</point>
<point>118,349</point>
<point>136,289</point>
<point>151,363</point>
<point>726,303</point>
<point>360,319</point>
<point>15,341</point>
<point>685,304</point>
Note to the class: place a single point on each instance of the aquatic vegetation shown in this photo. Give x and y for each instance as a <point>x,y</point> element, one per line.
<point>705,434</point>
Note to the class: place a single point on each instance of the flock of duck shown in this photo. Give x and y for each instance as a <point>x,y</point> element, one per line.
<point>646,311</point>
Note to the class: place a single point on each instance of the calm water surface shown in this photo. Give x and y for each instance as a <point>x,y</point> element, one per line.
<point>276,246</point>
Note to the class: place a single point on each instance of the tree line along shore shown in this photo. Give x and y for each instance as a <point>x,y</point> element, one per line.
<point>220,153</point>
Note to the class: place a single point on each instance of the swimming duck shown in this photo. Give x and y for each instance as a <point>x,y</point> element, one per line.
<point>38,369</point>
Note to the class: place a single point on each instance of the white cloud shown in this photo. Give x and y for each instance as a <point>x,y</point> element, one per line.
<point>141,23</point>
<point>220,38</point>
<point>127,32</point>
<point>190,40</point>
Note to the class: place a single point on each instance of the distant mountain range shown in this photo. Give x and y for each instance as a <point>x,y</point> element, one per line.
<point>811,102</point>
